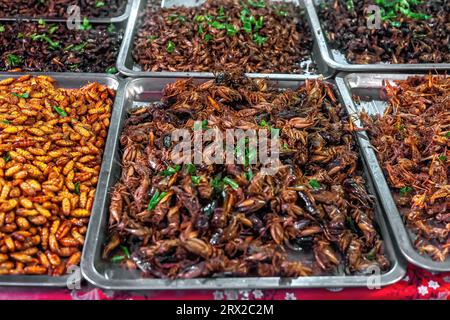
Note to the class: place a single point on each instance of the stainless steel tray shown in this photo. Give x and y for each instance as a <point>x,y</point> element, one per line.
<point>110,276</point>
<point>370,85</point>
<point>64,80</point>
<point>127,66</point>
<point>334,63</point>
<point>122,18</point>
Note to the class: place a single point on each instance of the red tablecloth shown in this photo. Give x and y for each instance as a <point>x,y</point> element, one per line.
<point>418,284</point>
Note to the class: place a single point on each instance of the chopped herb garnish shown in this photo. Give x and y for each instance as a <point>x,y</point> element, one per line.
<point>41,22</point>
<point>208,37</point>
<point>351,224</point>
<point>405,191</point>
<point>112,70</point>
<point>52,29</point>
<point>259,40</point>
<point>170,171</point>
<point>249,174</point>
<point>60,111</point>
<point>191,168</point>
<point>126,251</point>
<point>170,47</point>
<point>6,121</point>
<point>442,158</point>
<point>2,28</point>
<point>25,95</point>
<point>118,258</point>
<point>233,184</point>
<point>196,180</point>
<point>99,4</point>
<point>199,18</point>
<point>152,38</point>
<point>231,30</point>
<point>257,3</point>
<point>314,184</point>
<point>79,47</point>
<point>111,28</point>
<point>218,25</point>
<point>77,188</point>
<point>200,125</point>
<point>447,135</point>
<point>7,157</point>
<point>217,183</point>
<point>86,25</point>
<point>13,60</point>
<point>157,197</point>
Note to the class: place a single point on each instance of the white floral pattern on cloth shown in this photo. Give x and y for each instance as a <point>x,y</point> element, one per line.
<point>422,290</point>
<point>290,296</point>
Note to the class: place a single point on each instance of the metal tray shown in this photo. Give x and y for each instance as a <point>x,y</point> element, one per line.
<point>65,80</point>
<point>128,67</point>
<point>110,276</point>
<point>122,18</point>
<point>371,85</point>
<point>335,61</point>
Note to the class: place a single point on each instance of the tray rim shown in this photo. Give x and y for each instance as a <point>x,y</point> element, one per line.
<point>91,274</point>
<point>394,218</point>
<point>324,49</point>
<point>118,19</point>
<point>45,281</point>
<point>127,46</point>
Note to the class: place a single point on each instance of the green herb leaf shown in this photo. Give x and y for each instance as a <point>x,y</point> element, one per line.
<point>405,191</point>
<point>249,174</point>
<point>7,157</point>
<point>86,25</point>
<point>13,60</point>
<point>231,30</point>
<point>6,121</point>
<point>79,47</point>
<point>218,25</point>
<point>126,251</point>
<point>52,29</point>
<point>112,70</point>
<point>25,95</point>
<point>2,28</point>
<point>233,184</point>
<point>196,180</point>
<point>191,168</point>
<point>157,197</point>
<point>118,258</point>
<point>112,28</point>
<point>170,171</point>
<point>314,184</point>
<point>199,18</point>
<point>257,3</point>
<point>447,135</point>
<point>170,47</point>
<point>217,183</point>
<point>259,40</point>
<point>442,158</point>
<point>208,37</point>
<point>99,4</point>
<point>152,38</point>
<point>351,224</point>
<point>60,111</point>
<point>200,125</point>
<point>77,188</point>
<point>41,22</point>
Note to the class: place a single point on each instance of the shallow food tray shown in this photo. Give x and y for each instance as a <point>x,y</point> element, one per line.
<point>127,66</point>
<point>371,85</point>
<point>336,61</point>
<point>122,18</point>
<point>66,80</point>
<point>107,275</point>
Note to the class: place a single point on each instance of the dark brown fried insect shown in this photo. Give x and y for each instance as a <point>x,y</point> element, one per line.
<point>204,220</point>
<point>418,36</point>
<point>412,138</point>
<point>268,37</point>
